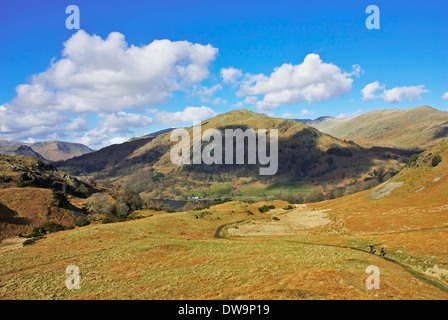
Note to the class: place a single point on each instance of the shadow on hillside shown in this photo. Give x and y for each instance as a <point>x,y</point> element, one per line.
<point>107,157</point>
<point>302,157</point>
<point>11,217</point>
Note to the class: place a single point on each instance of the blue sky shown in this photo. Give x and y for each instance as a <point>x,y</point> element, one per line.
<point>323,53</point>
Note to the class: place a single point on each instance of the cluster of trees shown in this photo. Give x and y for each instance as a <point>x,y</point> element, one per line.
<point>114,209</point>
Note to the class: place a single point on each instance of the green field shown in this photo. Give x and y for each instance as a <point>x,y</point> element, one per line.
<point>218,190</point>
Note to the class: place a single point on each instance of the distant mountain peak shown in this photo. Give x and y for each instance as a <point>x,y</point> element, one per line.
<point>45,150</point>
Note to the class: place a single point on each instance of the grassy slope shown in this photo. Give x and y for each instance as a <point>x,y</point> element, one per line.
<point>424,127</point>
<point>176,256</point>
<point>412,220</point>
<point>24,208</point>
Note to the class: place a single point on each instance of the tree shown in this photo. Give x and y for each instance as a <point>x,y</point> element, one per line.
<point>100,203</point>
<point>132,200</point>
<point>436,160</point>
<point>122,209</point>
<point>60,200</point>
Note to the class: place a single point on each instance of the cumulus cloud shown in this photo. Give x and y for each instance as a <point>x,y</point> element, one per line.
<point>231,75</point>
<point>368,93</point>
<point>238,104</point>
<point>95,138</point>
<point>251,100</point>
<point>394,95</point>
<point>205,93</point>
<point>445,96</point>
<point>120,122</point>
<point>104,77</point>
<point>108,75</point>
<point>217,101</point>
<point>311,81</point>
<point>25,124</point>
<point>110,125</point>
<point>397,94</point>
<point>287,115</point>
<point>118,140</point>
<point>266,106</point>
<point>303,113</point>
<point>189,114</point>
<point>78,124</point>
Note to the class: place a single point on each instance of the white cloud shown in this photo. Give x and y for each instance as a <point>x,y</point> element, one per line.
<point>393,95</point>
<point>396,95</point>
<point>287,115</point>
<point>251,100</point>
<point>219,101</point>
<point>231,75</point>
<point>356,70</point>
<point>95,138</point>
<point>120,122</point>
<point>189,114</point>
<point>310,81</point>
<point>97,75</point>
<point>24,124</point>
<point>104,77</point>
<point>266,106</point>
<point>368,93</point>
<point>238,104</point>
<point>445,96</point>
<point>305,112</point>
<point>78,124</point>
<point>109,125</point>
<point>118,140</point>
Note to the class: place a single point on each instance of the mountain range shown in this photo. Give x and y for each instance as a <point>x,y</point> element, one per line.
<point>44,150</point>
<point>414,128</point>
<point>306,155</point>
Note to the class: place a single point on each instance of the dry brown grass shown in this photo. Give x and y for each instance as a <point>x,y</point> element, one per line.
<point>175,256</point>
<point>22,209</point>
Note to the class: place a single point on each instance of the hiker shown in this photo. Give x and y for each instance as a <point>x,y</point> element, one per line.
<point>372,249</point>
<point>382,252</point>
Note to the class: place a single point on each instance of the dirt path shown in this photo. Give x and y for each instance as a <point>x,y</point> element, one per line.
<point>299,220</point>
<point>408,269</point>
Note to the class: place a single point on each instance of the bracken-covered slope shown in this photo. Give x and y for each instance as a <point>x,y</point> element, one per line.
<point>415,128</point>
<point>417,197</point>
<point>27,186</point>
